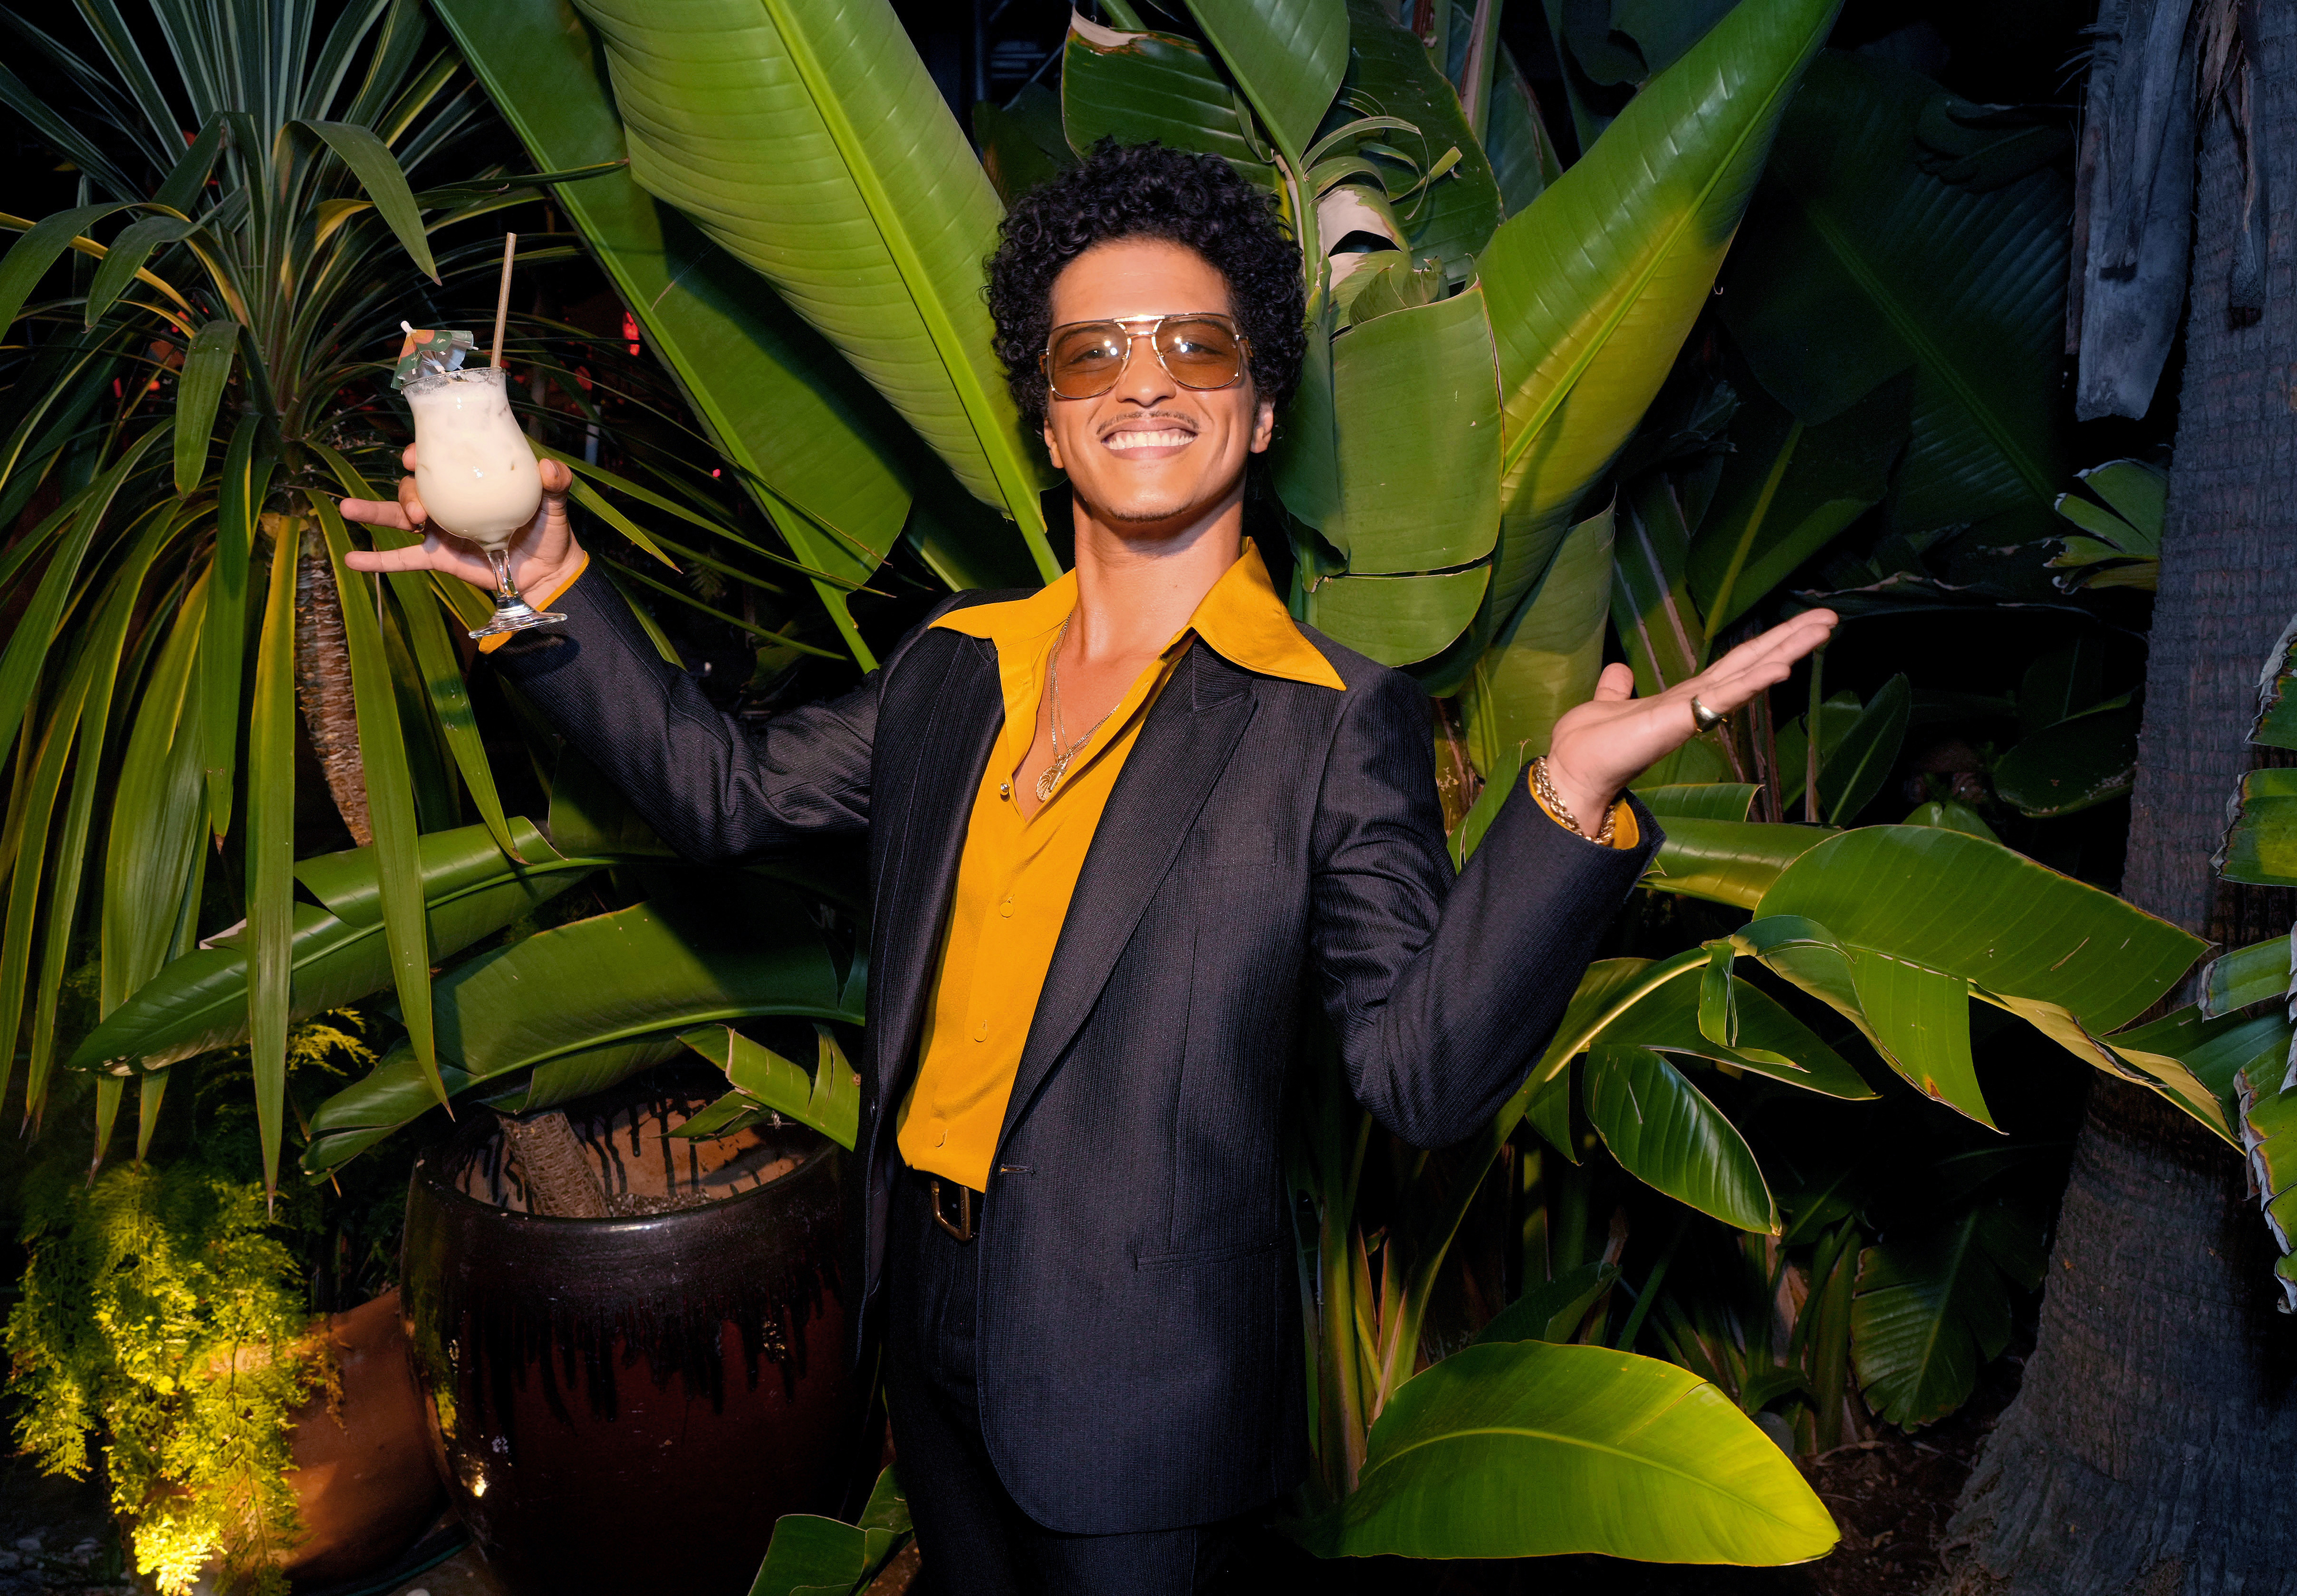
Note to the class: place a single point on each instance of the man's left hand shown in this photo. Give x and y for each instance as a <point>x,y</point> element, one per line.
<point>1606,743</point>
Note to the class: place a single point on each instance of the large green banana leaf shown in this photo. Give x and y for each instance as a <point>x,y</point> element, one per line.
<point>1594,286</point>
<point>2269,1135</point>
<point>199,1001</point>
<point>1415,405</point>
<point>1770,1041</point>
<point>1023,145</point>
<point>1389,74</point>
<point>1137,86</point>
<point>810,1554</point>
<point>1664,1132</point>
<point>685,958</point>
<point>1286,55</point>
<point>1856,769</point>
<point>829,1100</point>
<point>1651,606</point>
<point>584,1005</point>
<point>1544,662</point>
<point>1907,269</point>
<point>1898,927</point>
<point>1547,658</point>
<point>806,139</point>
<point>1727,861</point>
<point>1524,1448</point>
<point>1930,1308</point>
<point>1787,489</point>
<point>815,445</point>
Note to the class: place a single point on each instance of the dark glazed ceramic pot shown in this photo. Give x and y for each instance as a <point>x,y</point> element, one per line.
<point>628,1404</point>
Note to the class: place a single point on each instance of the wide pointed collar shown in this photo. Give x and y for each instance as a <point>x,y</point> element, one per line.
<point>1241,618</point>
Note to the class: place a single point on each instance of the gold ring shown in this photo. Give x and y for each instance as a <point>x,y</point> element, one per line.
<point>1704,718</point>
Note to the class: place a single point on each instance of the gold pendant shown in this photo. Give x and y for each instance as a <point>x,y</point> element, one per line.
<point>1048,779</point>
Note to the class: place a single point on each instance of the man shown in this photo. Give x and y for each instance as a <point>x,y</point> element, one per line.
<point>1116,828</point>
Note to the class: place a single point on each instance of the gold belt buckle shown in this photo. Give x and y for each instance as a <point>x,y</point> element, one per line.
<point>963,1228</point>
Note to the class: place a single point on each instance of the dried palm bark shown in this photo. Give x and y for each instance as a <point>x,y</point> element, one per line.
<point>323,677</point>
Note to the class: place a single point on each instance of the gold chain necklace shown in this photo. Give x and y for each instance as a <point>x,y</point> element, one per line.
<point>1050,776</point>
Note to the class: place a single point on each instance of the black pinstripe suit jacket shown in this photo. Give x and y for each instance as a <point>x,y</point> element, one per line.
<point>1138,1341</point>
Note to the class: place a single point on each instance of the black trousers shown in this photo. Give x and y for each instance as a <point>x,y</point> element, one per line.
<point>974,1540</point>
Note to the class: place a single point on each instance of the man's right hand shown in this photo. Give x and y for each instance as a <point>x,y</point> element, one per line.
<point>542,557</point>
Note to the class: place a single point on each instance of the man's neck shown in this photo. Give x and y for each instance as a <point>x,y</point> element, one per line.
<point>1137,585</point>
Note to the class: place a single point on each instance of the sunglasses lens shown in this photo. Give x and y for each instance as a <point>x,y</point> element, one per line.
<point>1086,359</point>
<point>1200,354</point>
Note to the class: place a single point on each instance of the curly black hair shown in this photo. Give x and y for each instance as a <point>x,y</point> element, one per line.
<point>1146,191</point>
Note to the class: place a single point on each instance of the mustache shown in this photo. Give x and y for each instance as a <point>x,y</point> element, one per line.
<point>1153,421</point>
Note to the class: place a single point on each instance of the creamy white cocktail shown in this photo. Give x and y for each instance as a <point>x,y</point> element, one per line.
<point>476,476</point>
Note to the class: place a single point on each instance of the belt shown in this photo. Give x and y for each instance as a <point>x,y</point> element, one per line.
<point>952,1202</point>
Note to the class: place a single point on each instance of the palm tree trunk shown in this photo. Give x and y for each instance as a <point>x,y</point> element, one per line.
<point>322,681</point>
<point>2150,1448</point>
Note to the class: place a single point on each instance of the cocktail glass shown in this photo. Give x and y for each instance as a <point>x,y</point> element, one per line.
<point>477,477</point>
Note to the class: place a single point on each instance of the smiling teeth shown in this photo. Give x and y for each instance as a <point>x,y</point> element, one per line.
<point>1169,438</point>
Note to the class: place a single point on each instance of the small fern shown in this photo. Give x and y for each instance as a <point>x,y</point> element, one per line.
<point>163,1319</point>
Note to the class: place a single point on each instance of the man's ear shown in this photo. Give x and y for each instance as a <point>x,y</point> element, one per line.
<point>1053,444</point>
<point>1263,424</point>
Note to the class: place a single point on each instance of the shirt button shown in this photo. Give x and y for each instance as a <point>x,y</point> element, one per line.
<point>1004,789</point>
<point>1006,909</point>
<point>981,1033</point>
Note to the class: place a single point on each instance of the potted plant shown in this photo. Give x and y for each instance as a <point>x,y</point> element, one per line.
<point>651,1333</point>
<point>166,1322</point>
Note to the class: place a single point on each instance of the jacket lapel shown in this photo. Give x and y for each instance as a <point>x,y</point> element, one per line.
<point>934,805</point>
<point>1190,733</point>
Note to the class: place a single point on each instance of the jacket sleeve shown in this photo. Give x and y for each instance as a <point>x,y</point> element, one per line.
<point>715,786</point>
<point>1443,993</point>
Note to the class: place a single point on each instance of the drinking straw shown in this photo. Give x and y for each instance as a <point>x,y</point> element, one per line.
<point>502,298</point>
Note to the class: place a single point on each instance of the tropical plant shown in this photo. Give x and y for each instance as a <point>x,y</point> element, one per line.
<point>263,265</point>
<point>177,422</point>
<point>2260,1051</point>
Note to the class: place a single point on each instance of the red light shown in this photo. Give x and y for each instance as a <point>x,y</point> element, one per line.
<point>630,331</point>
<point>713,471</point>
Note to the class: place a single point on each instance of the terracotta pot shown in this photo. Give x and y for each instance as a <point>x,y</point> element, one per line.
<point>628,1404</point>
<point>364,1480</point>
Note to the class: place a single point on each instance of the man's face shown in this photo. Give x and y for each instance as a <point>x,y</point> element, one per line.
<point>1150,452</point>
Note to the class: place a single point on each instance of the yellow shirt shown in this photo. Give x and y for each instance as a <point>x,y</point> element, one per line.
<point>1016,876</point>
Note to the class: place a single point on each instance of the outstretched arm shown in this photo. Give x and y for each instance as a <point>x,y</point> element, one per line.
<point>1443,993</point>
<point>714,787</point>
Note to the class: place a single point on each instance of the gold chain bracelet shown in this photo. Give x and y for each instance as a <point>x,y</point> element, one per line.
<point>1544,786</point>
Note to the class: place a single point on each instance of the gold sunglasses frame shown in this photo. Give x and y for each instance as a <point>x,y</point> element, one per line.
<point>1130,326</point>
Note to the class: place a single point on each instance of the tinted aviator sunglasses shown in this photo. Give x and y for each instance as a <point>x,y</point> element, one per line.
<point>1199,349</point>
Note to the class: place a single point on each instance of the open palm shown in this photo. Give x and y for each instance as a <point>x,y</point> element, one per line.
<point>1614,736</point>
